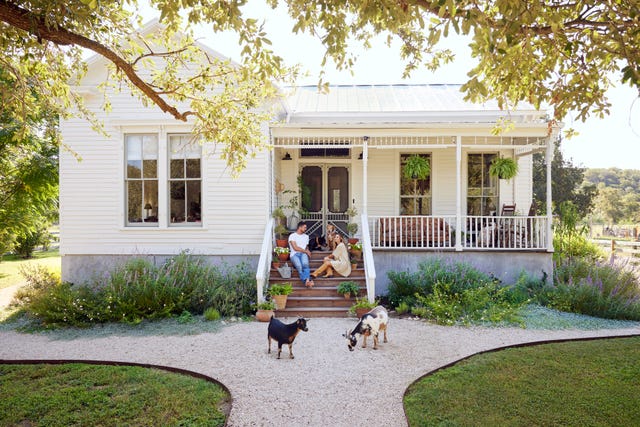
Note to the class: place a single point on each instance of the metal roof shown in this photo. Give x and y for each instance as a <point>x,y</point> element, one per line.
<point>397,103</point>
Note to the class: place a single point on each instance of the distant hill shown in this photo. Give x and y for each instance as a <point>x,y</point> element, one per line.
<point>626,180</point>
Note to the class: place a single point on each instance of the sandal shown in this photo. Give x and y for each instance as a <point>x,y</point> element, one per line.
<point>327,276</point>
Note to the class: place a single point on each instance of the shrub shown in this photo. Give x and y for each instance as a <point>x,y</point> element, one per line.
<point>211,314</point>
<point>405,285</point>
<point>402,308</point>
<point>486,302</point>
<point>139,290</point>
<point>603,289</point>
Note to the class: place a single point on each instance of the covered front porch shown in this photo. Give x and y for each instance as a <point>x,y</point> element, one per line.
<point>324,179</point>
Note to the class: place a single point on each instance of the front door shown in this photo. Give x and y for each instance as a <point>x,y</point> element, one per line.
<point>325,197</point>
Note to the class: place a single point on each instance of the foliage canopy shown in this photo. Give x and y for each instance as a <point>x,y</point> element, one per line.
<point>559,53</point>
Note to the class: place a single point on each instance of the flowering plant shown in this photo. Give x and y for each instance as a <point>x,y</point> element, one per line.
<point>278,250</point>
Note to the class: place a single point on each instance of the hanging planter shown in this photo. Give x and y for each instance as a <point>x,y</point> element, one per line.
<point>503,168</point>
<point>416,167</point>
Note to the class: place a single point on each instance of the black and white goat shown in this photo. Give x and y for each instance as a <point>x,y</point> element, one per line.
<point>370,323</point>
<point>284,334</point>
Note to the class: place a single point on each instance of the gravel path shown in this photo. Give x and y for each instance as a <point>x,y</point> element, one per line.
<point>325,385</point>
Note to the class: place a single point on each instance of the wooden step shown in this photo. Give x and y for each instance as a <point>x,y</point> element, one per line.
<point>355,274</point>
<point>322,291</point>
<point>313,312</point>
<point>330,301</point>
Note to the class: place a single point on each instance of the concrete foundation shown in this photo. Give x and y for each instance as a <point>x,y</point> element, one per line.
<point>80,269</point>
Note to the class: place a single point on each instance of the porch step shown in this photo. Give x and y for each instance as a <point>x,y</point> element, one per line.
<point>319,301</point>
<point>312,312</point>
<point>356,273</point>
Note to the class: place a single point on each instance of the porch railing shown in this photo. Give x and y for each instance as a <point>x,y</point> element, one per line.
<point>478,232</point>
<point>264,262</point>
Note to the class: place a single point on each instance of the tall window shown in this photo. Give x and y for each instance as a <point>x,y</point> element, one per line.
<point>415,194</point>
<point>482,189</point>
<point>185,180</point>
<point>141,179</point>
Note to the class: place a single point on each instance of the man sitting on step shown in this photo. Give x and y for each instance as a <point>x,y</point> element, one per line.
<point>300,253</point>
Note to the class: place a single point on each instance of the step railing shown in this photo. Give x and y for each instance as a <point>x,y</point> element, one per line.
<point>264,263</point>
<point>369,264</point>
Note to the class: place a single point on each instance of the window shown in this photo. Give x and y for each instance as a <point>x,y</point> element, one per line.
<point>415,194</point>
<point>185,180</point>
<point>482,189</point>
<point>141,179</point>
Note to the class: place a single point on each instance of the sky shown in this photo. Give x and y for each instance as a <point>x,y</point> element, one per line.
<point>601,143</point>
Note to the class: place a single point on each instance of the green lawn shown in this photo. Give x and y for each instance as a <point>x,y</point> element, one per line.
<point>10,266</point>
<point>95,395</point>
<point>588,383</point>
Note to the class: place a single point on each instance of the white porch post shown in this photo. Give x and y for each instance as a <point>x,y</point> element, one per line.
<point>365,160</point>
<point>459,193</point>
<point>549,160</point>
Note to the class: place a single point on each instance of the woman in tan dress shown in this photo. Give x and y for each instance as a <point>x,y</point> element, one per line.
<point>338,260</point>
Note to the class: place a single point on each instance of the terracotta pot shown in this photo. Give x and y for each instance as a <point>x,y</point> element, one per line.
<point>280,300</point>
<point>283,257</point>
<point>264,315</point>
<point>362,311</point>
<point>357,253</point>
<point>354,265</point>
<point>347,296</point>
<point>353,240</point>
<point>282,243</point>
<point>275,264</point>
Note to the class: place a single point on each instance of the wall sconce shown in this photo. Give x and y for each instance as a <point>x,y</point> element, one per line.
<point>148,208</point>
<point>360,156</point>
<point>287,156</point>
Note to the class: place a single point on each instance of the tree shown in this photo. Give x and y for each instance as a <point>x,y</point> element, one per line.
<point>28,181</point>
<point>557,52</point>
<point>609,205</point>
<point>567,183</point>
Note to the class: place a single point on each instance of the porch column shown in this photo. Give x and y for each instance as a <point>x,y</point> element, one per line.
<point>458,193</point>
<point>549,160</point>
<point>365,160</point>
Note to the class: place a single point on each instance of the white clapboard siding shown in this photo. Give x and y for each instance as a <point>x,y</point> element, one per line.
<point>523,184</point>
<point>92,217</point>
<point>443,181</point>
<point>383,182</point>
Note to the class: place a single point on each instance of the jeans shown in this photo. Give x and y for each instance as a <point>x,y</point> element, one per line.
<point>300,261</point>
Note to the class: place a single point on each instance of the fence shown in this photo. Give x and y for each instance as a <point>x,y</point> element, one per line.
<point>621,249</point>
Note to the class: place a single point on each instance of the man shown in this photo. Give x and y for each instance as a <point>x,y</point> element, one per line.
<point>300,253</point>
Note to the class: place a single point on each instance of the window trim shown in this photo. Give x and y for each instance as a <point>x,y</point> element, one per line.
<point>168,180</point>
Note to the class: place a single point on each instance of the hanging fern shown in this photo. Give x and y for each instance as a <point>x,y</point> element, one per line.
<point>416,167</point>
<point>503,168</point>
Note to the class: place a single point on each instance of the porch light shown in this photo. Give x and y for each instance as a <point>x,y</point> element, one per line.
<point>148,208</point>
<point>360,156</point>
<point>287,156</point>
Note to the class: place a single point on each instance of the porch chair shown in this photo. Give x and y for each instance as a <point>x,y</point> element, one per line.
<point>508,210</point>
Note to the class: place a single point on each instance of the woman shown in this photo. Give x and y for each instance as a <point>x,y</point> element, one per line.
<point>338,260</point>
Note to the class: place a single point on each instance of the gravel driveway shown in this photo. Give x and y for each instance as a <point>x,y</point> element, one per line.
<point>325,385</point>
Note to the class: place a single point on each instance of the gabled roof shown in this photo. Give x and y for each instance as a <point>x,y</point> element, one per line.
<point>403,103</point>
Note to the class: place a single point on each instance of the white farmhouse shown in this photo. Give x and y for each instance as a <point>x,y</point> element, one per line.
<point>147,191</point>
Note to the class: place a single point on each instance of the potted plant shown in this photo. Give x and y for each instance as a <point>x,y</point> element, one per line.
<point>503,168</point>
<point>352,226</point>
<point>280,232</point>
<point>279,216</point>
<point>348,288</point>
<point>416,167</point>
<point>356,250</point>
<point>279,292</point>
<point>275,263</point>
<point>354,262</point>
<point>264,311</point>
<point>282,253</point>
<point>352,229</point>
<point>362,306</point>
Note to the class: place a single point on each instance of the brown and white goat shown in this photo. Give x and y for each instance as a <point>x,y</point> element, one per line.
<point>284,334</point>
<point>370,323</point>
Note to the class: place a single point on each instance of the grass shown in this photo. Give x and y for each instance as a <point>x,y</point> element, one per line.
<point>572,384</point>
<point>10,266</point>
<point>81,395</point>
